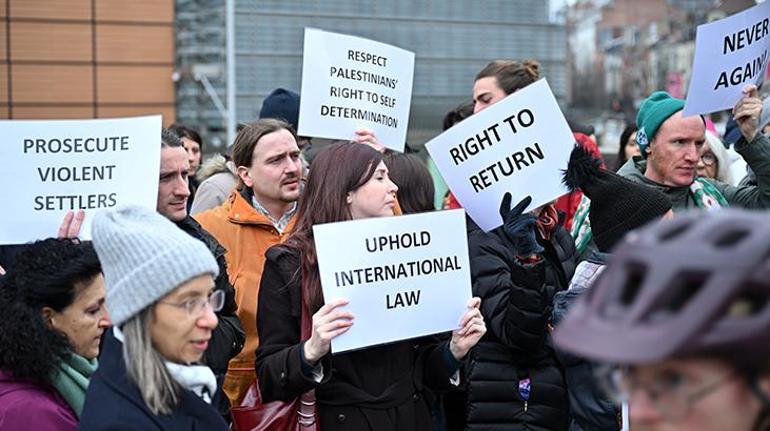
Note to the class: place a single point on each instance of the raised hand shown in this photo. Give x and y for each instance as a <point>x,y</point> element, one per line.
<point>328,322</point>
<point>519,227</point>
<point>747,111</point>
<point>364,136</point>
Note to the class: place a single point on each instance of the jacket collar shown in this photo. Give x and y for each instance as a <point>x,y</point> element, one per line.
<point>240,211</point>
<point>190,226</point>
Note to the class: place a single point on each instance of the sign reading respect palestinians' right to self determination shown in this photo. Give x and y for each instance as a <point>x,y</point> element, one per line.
<point>404,277</point>
<point>351,83</point>
<point>48,168</point>
<point>729,54</point>
<point>520,145</point>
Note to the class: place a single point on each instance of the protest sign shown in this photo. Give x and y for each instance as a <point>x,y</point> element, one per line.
<point>520,144</point>
<point>351,83</point>
<point>50,167</point>
<point>404,277</point>
<point>729,54</point>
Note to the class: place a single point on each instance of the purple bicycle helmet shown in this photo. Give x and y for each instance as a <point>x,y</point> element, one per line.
<point>695,285</point>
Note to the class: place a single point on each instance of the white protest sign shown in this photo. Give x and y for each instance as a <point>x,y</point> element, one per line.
<point>520,144</point>
<point>729,54</point>
<point>404,277</point>
<point>50,167</point>
<point>351,83</point>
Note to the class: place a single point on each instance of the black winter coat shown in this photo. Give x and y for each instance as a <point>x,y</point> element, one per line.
<point>516,303</point>
<point>114,403</point>
<point>377,388</point>
<point>228,337</point>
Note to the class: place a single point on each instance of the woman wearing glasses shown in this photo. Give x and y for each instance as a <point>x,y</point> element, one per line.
<point>160,289</point>
<point>714,162</point>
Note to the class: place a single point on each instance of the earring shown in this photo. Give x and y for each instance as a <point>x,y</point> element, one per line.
<point>349,199</point>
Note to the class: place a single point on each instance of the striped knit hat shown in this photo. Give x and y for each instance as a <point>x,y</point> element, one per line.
<point>144,257</point>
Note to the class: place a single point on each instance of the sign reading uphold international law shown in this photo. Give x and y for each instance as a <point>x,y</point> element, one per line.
<point>520,144</point>
<point>729,54</point>
<point>351,83</point>
<point>50,167</point>
<point>404,277</point>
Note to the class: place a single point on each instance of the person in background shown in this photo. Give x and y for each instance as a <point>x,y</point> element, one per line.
<point>714,162</point>
<point>515,379</point>
<point>258,214</point>
<point>228,337</point>
<point>53,320</point>
<point>627,147</point>
<point>217,178</point>
<point>617,207</point>
<point>681,312</point>
<point>444,198</point>
<point>414,182</point>
<point>160,292</point>
<point>376,388</point>
<point>569,203</point>
<point>193,144</point>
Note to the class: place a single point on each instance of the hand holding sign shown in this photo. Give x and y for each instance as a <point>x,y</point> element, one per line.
<point>519,227</point>
<point>365,136</point>
<point>328,322</point>
<point>70,226</point>
<point>747,111</point>
<point>472,328</point>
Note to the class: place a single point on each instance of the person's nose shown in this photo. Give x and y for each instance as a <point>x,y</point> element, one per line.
<point>393,187</point>
<point>692,154</point>
<point>104,321</point>
<point>208,319</point>
<point>642,410</point>
<point>181,189</point>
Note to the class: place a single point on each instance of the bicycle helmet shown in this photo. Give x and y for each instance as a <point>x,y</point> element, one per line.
<point>698,284</point>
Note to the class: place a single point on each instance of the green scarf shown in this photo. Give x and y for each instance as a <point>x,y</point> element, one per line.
<point>705,195</point>
<point>71,377</point>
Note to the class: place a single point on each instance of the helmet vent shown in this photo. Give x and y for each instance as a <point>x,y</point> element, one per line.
<point>751,302</point>
<point>674,232</point>
<point>634,280</point>
<point>729,239</point>
<point>690,284</point>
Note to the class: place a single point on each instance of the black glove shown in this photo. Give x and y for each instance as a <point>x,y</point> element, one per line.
<point>519,228</point>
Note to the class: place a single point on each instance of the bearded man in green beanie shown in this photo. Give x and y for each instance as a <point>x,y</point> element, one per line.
<point>671,146</point>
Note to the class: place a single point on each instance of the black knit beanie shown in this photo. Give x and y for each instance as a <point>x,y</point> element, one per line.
<point>618,205</point>
<point>283,105</point>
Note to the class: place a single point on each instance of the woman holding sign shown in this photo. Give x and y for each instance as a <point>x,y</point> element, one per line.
<point>377,388</point>
<point>515,379</point>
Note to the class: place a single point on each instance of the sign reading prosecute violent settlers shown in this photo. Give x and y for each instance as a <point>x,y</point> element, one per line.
<point>404,277</point>
<point>729,54</point>
<point>520,144</point>
<point>50,167</point>
<point>350,83</point>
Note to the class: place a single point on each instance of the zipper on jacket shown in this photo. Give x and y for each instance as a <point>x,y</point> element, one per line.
<point>525,406</point>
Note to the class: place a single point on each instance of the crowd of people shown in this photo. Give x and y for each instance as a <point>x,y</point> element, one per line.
<point>639,287</point>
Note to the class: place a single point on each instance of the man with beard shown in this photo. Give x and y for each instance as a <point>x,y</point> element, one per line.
<point>257,215</point>
<point>173,192</point>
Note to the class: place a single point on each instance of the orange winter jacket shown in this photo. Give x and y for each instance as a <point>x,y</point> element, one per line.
<point>246,234</point>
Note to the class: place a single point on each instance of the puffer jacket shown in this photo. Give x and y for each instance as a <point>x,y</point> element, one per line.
<point>515,380</point>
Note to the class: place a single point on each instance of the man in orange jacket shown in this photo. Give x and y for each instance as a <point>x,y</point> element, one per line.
<point>257,215</point>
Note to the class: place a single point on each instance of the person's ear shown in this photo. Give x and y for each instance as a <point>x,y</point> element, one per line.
<point>245,176</point>
<point>48,316</point>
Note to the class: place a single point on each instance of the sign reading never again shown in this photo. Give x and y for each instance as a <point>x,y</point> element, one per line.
<point>68,165</point>
<point>729,54</point>
<point>410,272</point>
<point>520,144</point>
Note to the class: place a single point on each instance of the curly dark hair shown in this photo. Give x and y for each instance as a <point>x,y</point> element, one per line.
<point>46,274</point>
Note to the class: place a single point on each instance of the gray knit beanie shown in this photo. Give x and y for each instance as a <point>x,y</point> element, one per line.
<point>144,257</point>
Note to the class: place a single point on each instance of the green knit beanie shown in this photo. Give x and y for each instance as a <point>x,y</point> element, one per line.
<point>653,111</point>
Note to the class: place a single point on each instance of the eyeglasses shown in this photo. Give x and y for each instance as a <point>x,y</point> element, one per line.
<point>670,392</point>
<point>708,158</point>
<point>196,306</point>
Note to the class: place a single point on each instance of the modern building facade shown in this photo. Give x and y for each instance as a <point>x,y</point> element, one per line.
<point>452,40</point>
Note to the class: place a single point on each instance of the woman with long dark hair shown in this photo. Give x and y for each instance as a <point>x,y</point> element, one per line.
<point>53,318</point>
<point>374,388</point>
